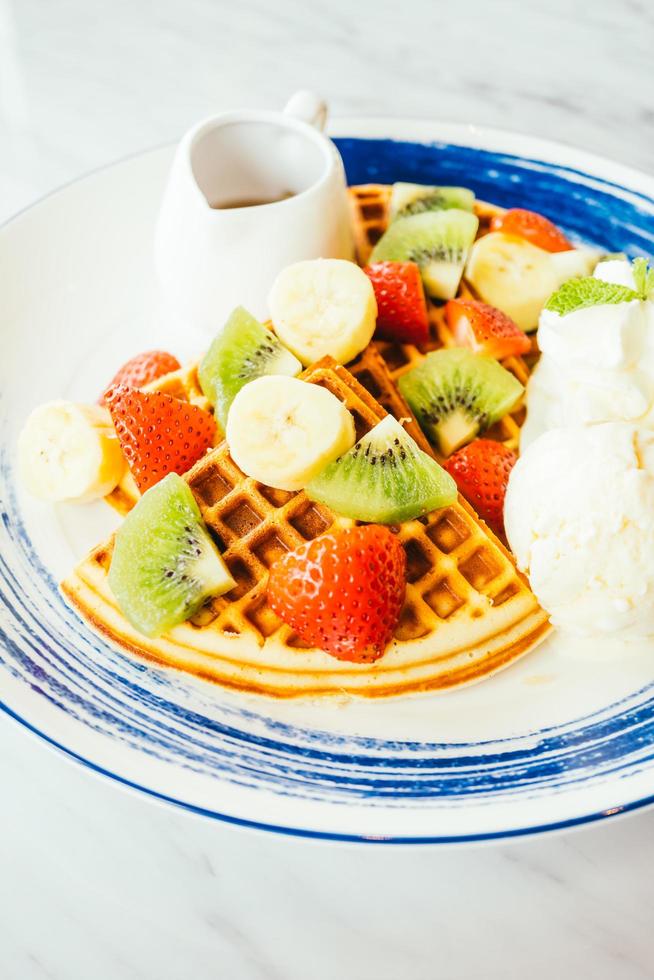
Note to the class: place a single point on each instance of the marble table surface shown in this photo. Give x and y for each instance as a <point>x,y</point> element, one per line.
<point>98,882</point>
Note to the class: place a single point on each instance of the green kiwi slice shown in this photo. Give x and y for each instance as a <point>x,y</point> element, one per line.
<point>384,479</point>
<point>455,394</point>
<point>243,350</point>
<point>407,199</point>
<point>165,564</point>
<point>439,241</point>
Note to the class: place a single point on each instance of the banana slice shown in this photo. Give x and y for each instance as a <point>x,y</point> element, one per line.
<point>283,432</point>
<point>513,275</point>
<point>575,262</point>
<point>68,451</point>
<point>323,306</point>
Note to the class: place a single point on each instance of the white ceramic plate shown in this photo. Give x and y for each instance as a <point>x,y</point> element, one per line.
<point>556,740</point>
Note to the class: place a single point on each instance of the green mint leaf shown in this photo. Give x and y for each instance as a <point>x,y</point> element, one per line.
<point>639,267</point>
<point>579,294</point>
<point>643,278</point>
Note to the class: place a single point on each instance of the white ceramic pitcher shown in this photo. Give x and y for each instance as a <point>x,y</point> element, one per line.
<point>211,255</point>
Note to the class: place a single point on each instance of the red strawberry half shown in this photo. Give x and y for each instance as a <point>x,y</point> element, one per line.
<point>143,369</point>
<point>158,434</point>
<point>484,329</point>
<point>481,471</point>
<point>342,592</point>
<point>401,306</point>
<point>536,228</point>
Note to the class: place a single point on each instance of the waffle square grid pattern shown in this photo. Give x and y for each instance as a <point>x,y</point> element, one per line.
<point>451,561</point>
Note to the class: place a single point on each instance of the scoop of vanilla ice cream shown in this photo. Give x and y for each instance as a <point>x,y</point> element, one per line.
<point>579,517</point>
<point>597,363</point>
<point>543,398</point>
<point>556,398</point>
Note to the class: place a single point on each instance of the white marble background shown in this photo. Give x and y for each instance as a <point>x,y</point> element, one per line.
<point>98,883</point>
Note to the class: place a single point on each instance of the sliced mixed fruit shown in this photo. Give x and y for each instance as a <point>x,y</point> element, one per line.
<point>385,479</point>
<point>342,592</point>
<point>283,431</point>
<point>455,395</point>
<point>69,452</point>
<point>142,370</point>
<point>407,199</point>
<point>535,228</point>
<point>401,305</point>
<point>242,351</point>
<point>485,329</point>
<point>438,241</point>
<point>323,307</point>
<point>165,564</point>
<point>158,434</point>
<point>482,471</point>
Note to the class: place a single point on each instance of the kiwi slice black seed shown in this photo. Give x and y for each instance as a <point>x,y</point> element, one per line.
<point>456,394</point>
<point>384,479</point>
<point>407,199</point>
<point>165,564</point>
<point>243,350</point>
<point>439,241</point>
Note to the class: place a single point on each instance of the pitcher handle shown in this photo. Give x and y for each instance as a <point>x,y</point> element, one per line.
<point>308,107</point>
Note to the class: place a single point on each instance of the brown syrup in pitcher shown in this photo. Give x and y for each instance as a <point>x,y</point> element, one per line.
<point>251,202</point>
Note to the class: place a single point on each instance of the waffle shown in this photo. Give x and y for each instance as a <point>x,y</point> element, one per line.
<point>467,614</point>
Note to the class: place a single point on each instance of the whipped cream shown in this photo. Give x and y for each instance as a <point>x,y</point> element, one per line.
<point>620,272</point>
<point>597,364</point>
